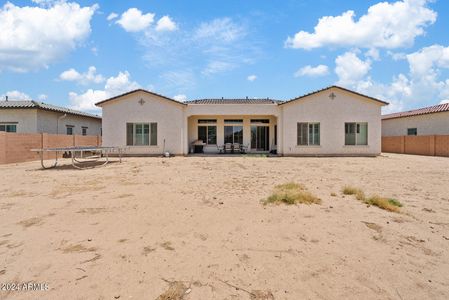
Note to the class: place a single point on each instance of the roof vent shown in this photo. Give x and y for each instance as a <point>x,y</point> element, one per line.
<point>246,97</point>
<point>6,98</point>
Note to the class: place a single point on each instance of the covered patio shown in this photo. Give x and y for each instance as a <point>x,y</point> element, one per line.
<point>232,134</point>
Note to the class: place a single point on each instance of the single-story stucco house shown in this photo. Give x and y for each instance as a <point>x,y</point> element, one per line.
<point>331,121</point>
<point>38,117</point>
<point>433,120</point>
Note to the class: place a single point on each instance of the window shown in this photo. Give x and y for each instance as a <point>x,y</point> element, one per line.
<point>208,134</point>
<point>8,127</point>
<point>69,129</point>
<point>265,121</point>
<point>84,130</point>
<point>227,121</point>
<point>412,131</point>
<point>233,134</point>
<point>308,134</point>
<point>207,121</point>
<point>356,133</point>
<point>141,134</point>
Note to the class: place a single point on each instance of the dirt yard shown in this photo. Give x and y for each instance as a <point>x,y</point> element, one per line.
<point>195,227</point>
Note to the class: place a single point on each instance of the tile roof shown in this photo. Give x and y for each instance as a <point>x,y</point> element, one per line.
<point>416,112</point>
<point>44,106</point>
<point>234,101</point>
<point>336,87</point>
<point>135,91</point>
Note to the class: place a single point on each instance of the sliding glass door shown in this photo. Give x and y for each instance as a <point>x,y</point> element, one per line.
<point>260,138</point>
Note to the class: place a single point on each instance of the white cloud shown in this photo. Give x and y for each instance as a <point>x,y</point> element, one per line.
<point>251,77</point>
<point>42,97</point>
<point>133,20</point>
<point>112,16</point>
<point>166,24</point>
<point>373,53</point>
<point>386,25</point>
<point>444,101</point>
<point>424,84</point>
<point>223,29</point>
<point>114,86</point>
<point>90,76</point>
<point>320,70</point>
<point>15,95</point>
<point>180,98</point>
<point>217,66</point>
<point>350,69</point>
<point>33,37</point>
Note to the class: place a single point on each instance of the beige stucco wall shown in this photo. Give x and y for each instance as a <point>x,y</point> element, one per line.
<point>332,116</point>
<point>26,119</point>
<point>193,129</point>
<point>167,114</point>
<point>430,124</point>
<point>38,121</point>
<point>47,121</point>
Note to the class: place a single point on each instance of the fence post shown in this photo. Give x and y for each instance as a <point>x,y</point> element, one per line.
<point>432,145</point>
<point>3,142</point>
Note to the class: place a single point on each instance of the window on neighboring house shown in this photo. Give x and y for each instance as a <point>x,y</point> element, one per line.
<point>412,131</point>
<point>208,134</point>
<point>84,130</point>
<point>356,133</point>
<point>308,134</point>
<point>233,134</point>
<point>8,127</point>
<point>141,134</point>
<point>69,129</point>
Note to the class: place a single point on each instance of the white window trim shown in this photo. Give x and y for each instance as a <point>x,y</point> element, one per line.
<point>367,140</point>
<point>149,135</point>
<point>207,125</point>
<point>308,143</point>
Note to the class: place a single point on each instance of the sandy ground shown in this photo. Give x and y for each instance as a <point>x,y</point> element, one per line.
<point>125,230</point>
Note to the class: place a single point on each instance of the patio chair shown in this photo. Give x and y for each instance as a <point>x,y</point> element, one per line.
<point>228,148</point>
<point>236,148</point>
<point>244,148</point>
<point>220,149</point>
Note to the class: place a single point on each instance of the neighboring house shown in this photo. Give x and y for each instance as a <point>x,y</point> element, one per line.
<point>37,117</point>
<point>433,120</point>
<point>331,121</point>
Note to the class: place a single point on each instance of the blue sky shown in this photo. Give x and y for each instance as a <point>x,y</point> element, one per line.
<point>76,53</point>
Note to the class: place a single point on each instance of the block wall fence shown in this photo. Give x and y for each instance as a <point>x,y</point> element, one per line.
<point>431,145</point>
<point>15,147</point>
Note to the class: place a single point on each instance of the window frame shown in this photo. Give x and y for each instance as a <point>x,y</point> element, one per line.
<point>67,127</point>
<point>84,130</point>
<point>6,125</point>
<point>412,134</point>
<point>208,139</point>
<point>234,134</point>
<point>145,134</point>
<point>357,127</point>
<point>316,142</point>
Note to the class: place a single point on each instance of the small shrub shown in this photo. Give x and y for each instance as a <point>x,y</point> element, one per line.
<point>360,195</point>
<point>291,193</point>
<point>350,190</point>
<point>333,195</point>
<point>384,203</point>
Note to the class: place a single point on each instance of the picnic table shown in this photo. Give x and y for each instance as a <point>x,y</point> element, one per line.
<point>78,155</point>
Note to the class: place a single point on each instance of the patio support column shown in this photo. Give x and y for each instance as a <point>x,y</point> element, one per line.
<point>185,136</point>
<point>280,136</point>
